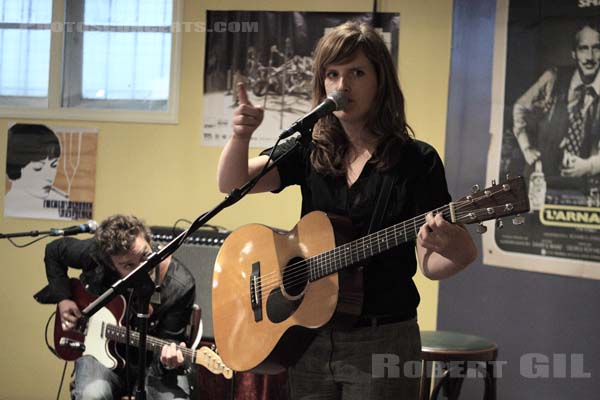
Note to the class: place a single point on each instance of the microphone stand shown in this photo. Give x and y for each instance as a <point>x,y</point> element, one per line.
<point>140,278</point>
<point>90,227</point>
<point>25,234</point>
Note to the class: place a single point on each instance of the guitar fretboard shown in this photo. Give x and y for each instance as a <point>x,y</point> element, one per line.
<point>119,334</point>
<point>203,356</point>
<point>371,245</point>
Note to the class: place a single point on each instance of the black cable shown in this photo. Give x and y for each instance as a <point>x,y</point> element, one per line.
<point>27,244</point>
<point>330,360</point>
<point>232,397</point>
<point>247,190</point>
<point>127,347</point>
<point>216,228</point>
<point>52,350</point>
<point>239,192</point>
<point>263,171</point>
<point>177,222</point>
<point>376,20</point>
<point>62,380</point>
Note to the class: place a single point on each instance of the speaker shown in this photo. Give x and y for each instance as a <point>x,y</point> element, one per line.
<point>198,254</point>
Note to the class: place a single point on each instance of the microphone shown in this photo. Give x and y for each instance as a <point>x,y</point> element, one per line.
<point>336,101</point>
<point>72,344</point>
<point>89,226</point>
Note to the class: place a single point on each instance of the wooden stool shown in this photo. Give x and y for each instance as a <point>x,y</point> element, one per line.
<point>460,349</point>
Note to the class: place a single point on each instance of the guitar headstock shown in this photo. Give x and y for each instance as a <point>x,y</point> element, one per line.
<point>499,200</point>
<point>209,359</point>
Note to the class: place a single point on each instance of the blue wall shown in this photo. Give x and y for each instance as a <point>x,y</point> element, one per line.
<point>523,312</point>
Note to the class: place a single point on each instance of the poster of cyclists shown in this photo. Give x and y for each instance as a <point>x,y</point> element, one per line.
<point>271,53</point>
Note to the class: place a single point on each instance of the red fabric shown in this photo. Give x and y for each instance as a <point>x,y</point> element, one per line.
<point>246,385</point>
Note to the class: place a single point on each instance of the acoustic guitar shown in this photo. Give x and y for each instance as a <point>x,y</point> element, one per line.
<point>104,330</point>
<point>272,289</point>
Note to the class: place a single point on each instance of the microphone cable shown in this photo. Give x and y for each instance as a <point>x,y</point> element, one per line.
<point>27,244</point>
<point>53,351</point>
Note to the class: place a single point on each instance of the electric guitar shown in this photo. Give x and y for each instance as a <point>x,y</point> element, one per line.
<point>104,330</point>
<point>272,289</point>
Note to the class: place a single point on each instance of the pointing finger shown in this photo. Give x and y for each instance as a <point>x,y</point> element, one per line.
<point>242,95</point>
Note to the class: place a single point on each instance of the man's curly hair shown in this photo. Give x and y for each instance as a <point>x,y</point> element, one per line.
<point>117,233</point>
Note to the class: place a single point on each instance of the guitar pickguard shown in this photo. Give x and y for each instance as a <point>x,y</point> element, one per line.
<point>96,343</point>
<point>281,304</point>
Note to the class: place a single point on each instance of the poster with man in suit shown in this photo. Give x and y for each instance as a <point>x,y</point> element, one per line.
<point>546,127</point>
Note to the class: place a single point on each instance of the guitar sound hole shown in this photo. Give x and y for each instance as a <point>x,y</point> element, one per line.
<point>295,277</point>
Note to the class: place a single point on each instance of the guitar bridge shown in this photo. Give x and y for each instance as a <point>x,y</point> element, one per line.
<point>256,292</point>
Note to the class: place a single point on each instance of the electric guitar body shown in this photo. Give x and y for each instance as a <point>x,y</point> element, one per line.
<point>93,338</point>
<point>103,334</point>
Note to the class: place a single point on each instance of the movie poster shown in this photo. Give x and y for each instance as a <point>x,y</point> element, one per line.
<point>271,53</point>
<point>50,172</point>
<point>545,126</point>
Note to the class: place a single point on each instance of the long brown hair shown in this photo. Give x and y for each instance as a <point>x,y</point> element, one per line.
<point>386,119</point>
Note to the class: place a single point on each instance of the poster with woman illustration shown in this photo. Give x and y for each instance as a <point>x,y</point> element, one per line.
<point>50,172</point>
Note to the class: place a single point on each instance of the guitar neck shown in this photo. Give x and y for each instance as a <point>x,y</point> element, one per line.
<point>498,200</point>
<point>203,356</point>
<point>359,250</point>
<point>154,344</point>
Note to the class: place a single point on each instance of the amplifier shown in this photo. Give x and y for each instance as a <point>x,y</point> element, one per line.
<point>198,253</point>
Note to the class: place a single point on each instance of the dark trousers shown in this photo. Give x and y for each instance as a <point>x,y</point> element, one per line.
<point>373,362</point>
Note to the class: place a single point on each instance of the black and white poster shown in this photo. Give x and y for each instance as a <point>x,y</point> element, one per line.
<point>545,126</point>
<point>271,52</point>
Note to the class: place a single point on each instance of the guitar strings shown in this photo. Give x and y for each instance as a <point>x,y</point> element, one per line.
<point>319,265</point>
<point>298,272</point>
<point>356,250</point>
<point>322,259</point>
<point>116,333</point>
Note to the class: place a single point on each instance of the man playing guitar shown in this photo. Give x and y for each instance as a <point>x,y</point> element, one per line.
<point>120,244</point>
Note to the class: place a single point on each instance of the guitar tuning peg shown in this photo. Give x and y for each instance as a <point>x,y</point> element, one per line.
<point>508,177</point>
<point>475,189</point>
<point>481,228</point>
<point>518,220</point>
<point>499,224</point>
<point>493,182</point>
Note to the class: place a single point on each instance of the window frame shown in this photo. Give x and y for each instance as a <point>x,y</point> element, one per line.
<point>54,110</point>
<point>24,100</point>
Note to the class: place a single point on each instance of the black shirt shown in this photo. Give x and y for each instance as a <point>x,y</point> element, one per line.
<point>177,293</point>
<point>419,186</point>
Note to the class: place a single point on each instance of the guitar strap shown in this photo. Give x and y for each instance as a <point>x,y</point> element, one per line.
<point>382,203</point>
<point>155,299</point>
<point>156,295</point>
